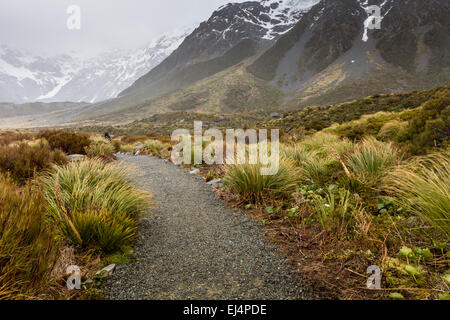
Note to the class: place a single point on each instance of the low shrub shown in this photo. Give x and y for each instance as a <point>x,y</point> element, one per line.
<point>26,243</point>
<point>9,137</point>
<point>70,143</point>
<point>22,161</point>
<point>94,204</point>
<point>423,188</point>
<point>390,130</point>
<point>246,179</point>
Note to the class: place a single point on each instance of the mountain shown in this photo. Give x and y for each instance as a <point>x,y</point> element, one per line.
<point>282,55</point>
<point>24,77</point>
<point>315,52</point>
<point>262,22</point>
<point>331,55</point>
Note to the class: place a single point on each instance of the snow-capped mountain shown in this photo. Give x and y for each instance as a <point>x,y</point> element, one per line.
<point>27,78</point>
<point>262,22</point>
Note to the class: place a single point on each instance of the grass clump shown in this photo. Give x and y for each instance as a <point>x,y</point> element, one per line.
<point>26,244</point>
<point>153,147</point>
<point>424,189</point>
<point>319,141</point>
<point>101,149</point>
<point>296,153</point>
<point>371,160</point>
<point>94,204</point>
<point>246,179</point>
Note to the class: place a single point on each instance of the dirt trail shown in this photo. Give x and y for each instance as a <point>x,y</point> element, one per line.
<point>193,246</point>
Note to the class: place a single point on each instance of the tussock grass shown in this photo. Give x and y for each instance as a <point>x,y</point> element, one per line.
<point>371,160</point>
<point>423,187</point>
<point>319,140</point>
<point>314,156</point>
<point>153,147</point>
<point>26,244</point>
<point>246,179</point>
<point>126,148</point>
<point>101,149</point>
<point>296,153</point>
<point>316,168</point>
<point>94,204</point>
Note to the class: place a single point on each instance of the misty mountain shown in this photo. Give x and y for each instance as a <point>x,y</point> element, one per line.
<point>28,78</point>
<point>287,55</point>
<point>262,22</point>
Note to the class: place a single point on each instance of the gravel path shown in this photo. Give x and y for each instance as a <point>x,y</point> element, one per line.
<point>194,247</point>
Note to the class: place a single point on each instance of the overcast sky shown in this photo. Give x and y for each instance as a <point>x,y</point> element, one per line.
<point>40,26</point>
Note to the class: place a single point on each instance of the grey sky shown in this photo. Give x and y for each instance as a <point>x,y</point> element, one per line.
<point>39,26</point>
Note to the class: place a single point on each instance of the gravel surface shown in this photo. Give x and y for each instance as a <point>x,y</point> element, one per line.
<point>193,247</point>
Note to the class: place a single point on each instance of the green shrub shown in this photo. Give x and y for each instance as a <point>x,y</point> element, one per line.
<point>94,204</point>
<point>246,179</point>
<point>26,244</point>
<point>390,130</point>
<point>423,187</point>
<point>70,143</point>
<point>22,161</point>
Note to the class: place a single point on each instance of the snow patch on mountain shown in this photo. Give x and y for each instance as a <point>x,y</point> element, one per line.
<point>274,17</point>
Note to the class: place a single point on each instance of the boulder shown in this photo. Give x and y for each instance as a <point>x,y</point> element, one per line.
<point>76,157</point>
<point>106,271</point>
<point>215,183</point>
<point>195,171</point>
<point>276,115</point>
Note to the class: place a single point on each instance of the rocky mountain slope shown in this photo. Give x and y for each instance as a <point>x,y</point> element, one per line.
<point>262,22</point>
<point>28,78</point>
<point>331,55</point>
